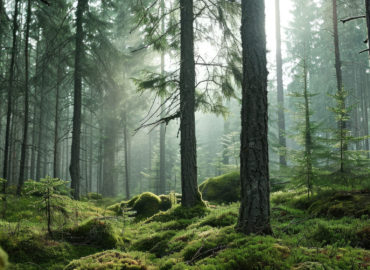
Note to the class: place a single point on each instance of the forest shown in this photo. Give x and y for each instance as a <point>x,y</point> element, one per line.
<point>184,134</point>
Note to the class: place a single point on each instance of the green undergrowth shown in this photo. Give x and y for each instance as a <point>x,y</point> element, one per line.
<point>182,238</point>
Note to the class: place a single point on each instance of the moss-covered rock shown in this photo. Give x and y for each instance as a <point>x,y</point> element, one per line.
<point>355,204</point>
<point>165,202</point>
<point>3,259</point>
<point>179,213</point>
<point>106,260</point>
<point>95,232</point>
<point>222,189</point>
<point>146,205</point>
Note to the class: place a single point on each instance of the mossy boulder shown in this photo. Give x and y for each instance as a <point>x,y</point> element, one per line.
<point>95,232</point>
<point>3,259</point>
<point>222,189</point>
<point>146,205</point>
<point>354,204</point>
<point>106,260</point>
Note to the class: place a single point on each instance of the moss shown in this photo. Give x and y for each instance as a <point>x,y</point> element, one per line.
<point>3,259</point>
<point>156,244</point>
<point>180,212</point>
<point>226,219</point>
<point>165,202</point>
<point>340,204</point>
<point>96,232</point>
<point>222,189</point>
<point>106,260</point>
<point>310,266</point>
<point>147,205</point>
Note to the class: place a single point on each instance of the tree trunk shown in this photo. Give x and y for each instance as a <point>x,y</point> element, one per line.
<point>225,154</point>
<point>162,146</point>
<point>280,85</point>
<point>25,127</point>
<point>338,68</point>
<point>76,133</point>
<point>367,6</point>
<point>126,156</point>
<point>189,182</point>
<point>91,148</point>
<point>56,127</point>
<point>10,96</point>
<point>254,214</point>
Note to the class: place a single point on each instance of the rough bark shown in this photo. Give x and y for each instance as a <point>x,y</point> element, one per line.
<point>26,106</point>
<point>280,85</point>
<point>10,96</point>
<point>189,182</point>
<point>76,133</point>
<point>338,68</point>
<point>254,213</point>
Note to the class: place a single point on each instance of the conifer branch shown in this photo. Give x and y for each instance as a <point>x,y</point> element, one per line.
<point>353,18</point>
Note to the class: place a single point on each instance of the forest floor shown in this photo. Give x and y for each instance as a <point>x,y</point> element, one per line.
<point>330,230</point>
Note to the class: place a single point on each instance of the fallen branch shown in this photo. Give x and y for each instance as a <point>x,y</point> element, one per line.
<point>35,264</point>
<point>279,183</point>
<point>298,221</point>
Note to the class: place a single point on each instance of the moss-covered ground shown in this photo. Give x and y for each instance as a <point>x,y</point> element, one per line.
<point>308,234</point>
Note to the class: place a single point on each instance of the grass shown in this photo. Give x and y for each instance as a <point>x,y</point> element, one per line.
<point>180,238</point>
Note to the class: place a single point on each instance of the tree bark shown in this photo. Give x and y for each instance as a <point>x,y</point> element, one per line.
<point>77,107</point>
<point>56,127</point>
<point>26,106</point>
<point>254,213</point>
<point>280,85</point>
<point>189,182</point>
<point>10,96</point>
<point>367,7</point>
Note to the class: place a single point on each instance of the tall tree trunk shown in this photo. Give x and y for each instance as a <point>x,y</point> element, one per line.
<point>254,213</point>
<point>189,182</point>
<point>280,85</point>
<point>225,154</point>
<point>91,148</point>
<point>338,71</point>
<point>26,106</point>
<point>127,187</point>
<point>367,8</point>
<point>67,148</point>
<point>162,149</point>
<point>10,96</point>
<point>40,143</point>
<point>76,135</point>
<point>56,127</point>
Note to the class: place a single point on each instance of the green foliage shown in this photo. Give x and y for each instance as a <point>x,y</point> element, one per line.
<point>106,260</point>
<point>222,189</point>
<point>178,213</point>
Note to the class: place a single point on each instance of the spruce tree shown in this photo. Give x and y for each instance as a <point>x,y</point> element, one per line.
<point>346,163</point>
<point>305,132</point>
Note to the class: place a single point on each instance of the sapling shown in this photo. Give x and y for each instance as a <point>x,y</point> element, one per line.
<point>51,200</point>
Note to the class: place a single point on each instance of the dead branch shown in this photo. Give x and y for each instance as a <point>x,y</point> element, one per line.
<point>364,51</point>
<point>353,18</point>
